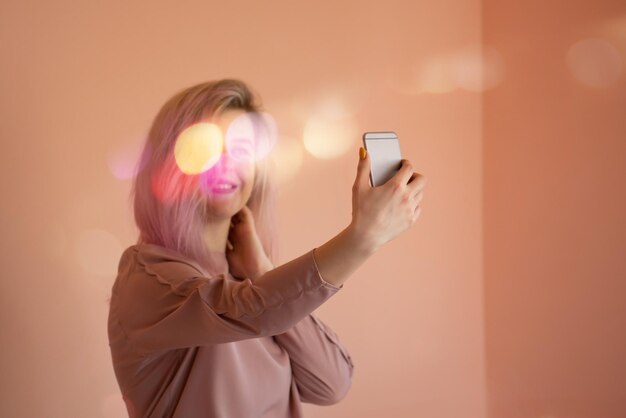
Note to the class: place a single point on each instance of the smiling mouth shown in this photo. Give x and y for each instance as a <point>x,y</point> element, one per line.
<point>224,188</point>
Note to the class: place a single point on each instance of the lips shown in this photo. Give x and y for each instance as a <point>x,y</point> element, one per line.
<point>224,186</point>
<point>224,182</point>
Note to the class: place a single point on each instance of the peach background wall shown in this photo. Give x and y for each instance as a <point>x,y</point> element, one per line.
<point>555,230</point>
<point>80,85</point>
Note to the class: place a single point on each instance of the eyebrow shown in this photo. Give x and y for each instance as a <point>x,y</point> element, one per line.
<point>242,140</point>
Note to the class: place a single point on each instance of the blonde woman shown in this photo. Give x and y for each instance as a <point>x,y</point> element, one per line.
<point>202,321</point>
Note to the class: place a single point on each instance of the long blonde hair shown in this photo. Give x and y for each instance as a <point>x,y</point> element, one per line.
<point>169,206</point>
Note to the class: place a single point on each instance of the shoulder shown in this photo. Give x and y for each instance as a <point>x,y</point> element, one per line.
<point>161,265</point>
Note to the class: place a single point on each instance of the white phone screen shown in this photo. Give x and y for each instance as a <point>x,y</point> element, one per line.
<point>385,156</point>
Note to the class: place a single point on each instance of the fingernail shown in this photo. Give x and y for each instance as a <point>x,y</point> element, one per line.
<point>362,153</point>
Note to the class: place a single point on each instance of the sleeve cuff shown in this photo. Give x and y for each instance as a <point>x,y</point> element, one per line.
<point>319,275</point>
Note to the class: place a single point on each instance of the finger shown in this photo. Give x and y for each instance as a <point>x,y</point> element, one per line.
<point>241,215</point>
<point>416,213</point>
<point>417,183</point>
<point>362,180</point>
<point>417,199</point>
<point>405,172</point>
<point>246,214</point>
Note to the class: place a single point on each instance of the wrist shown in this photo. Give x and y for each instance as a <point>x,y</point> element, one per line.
<point>263,267</point>
<point>361,240</point>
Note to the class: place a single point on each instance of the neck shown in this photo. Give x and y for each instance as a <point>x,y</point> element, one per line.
<point>215,238</point>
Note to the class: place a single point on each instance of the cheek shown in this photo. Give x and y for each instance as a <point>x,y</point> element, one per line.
<point>248,177</point>
<point>250,174</point>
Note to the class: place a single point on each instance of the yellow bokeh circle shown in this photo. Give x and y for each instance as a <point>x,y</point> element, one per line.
<point>198,147</point>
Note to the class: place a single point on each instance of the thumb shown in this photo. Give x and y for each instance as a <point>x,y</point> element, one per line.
<point>363,169</point>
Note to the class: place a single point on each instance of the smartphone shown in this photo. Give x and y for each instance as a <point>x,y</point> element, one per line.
<point>385,156</point>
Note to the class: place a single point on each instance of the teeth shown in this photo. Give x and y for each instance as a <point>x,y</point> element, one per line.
<point>224,186</point>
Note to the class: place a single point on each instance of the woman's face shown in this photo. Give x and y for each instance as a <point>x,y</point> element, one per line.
<point>228,184</point>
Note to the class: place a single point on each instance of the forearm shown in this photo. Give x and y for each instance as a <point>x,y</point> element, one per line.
<point>264,266</point>
<point>320,364</point>
<point>338,258</point>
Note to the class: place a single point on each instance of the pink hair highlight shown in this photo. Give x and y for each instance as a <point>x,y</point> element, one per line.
<point>169,205</point>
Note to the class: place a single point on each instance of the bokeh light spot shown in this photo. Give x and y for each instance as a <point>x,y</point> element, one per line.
<point>595,62</point>
<point>251,135</point>
<point>198,147</point>
<point>287,156</point>
<point>474,68</point>
<point>330,131</point>
<point>329,138</point>
<point>123,160</point>
<point>169,183</point>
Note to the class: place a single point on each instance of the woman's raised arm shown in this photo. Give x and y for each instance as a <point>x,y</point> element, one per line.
<point>379,214</point>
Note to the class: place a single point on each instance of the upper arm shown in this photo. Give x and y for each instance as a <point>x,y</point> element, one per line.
<point>185,309</point>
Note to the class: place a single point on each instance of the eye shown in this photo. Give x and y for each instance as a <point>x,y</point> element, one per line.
<point>241,153</point>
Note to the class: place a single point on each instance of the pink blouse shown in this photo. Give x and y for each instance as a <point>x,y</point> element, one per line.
<point>188,346</point>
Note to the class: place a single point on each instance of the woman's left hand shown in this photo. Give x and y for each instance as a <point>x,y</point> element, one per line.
<point>245,254</point>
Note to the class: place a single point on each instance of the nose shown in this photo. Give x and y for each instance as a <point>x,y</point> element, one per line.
<point>225,163</point>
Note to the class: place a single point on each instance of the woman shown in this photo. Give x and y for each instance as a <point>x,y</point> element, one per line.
<point>201,322</point>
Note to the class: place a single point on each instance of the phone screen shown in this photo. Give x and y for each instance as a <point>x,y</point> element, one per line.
<point>385,156</point>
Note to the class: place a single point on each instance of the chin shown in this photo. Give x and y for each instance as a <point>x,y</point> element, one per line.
<point>222,208</point>
<point>222,211</point>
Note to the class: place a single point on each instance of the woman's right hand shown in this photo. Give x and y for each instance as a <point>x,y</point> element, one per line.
<point>381,213</point>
